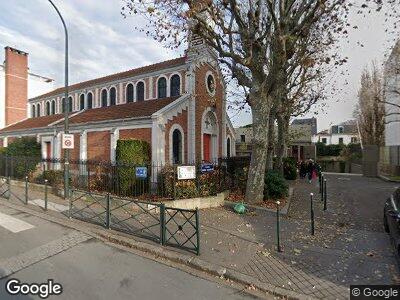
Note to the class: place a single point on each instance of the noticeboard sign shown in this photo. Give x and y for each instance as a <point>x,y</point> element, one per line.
<point>186,172</point>
<point>67,141</point>
<point>207,168</point>
<point>141,172</point>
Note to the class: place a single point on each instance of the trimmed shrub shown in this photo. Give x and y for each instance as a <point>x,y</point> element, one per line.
<point>53,177</point>
<point>275,186</point>
<point>289,168</point>
<point>129,154</point>
<point>329,150</point>
<point>24,155</point>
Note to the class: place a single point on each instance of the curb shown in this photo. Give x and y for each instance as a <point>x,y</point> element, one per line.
<point>387,179</point>
<point>283,211</point>
<point>188,260</point>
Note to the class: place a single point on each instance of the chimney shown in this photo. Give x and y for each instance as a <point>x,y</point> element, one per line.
<point>16,85</point>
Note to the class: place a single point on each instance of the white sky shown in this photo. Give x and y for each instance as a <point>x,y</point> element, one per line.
<point>102,43</point>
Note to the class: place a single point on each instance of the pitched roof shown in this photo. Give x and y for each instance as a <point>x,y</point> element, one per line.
<point>117,76</point>
<point>31,123</point>
<point>122,111</point>
<point>110,113</point>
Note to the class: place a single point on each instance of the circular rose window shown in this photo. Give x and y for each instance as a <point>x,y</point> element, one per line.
<point>210,83</point>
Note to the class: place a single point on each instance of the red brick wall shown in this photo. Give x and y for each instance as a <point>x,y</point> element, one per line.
<point>181,119</point>
<point>73,153</point>
<point>16,86</point>
<point>202,102</point>
<point>98,145</point>
<point>143,134</point>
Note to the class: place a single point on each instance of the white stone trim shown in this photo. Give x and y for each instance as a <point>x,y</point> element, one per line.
<point>171,130</point>
<point>83,146</point>
<point>215,140</point>
<point>210,73</point>
<point>180,83</point>
<point>113,147</point>
<point>167,82</point>
<point>144,94</point>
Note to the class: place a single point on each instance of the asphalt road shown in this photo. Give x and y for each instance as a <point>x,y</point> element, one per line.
<point>89,269</point>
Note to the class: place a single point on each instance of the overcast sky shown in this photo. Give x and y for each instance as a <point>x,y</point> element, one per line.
<point>102,43</point>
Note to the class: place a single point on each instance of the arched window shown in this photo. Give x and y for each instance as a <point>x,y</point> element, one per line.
<point>53,107</point>
<point>140,91</point>
<point>89,100</point>
<point>38,110</point>
<point>162,87</point>
<point>228,147</point>
<point>47,108</point>
<point>33,111</point>
<point>70,106</point>
<point>113,96</point>
<point>129,93</point>
<point>175,85</point>
<point>63,105</point>
<point>104,96</point>
<point>177,146</point>
<point>82,102</point>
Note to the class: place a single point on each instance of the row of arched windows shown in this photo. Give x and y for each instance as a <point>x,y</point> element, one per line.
<point>109,97</point>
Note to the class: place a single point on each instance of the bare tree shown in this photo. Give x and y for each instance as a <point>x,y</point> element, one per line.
<point>370,109</point>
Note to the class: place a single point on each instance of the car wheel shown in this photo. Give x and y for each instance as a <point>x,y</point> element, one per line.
<point>385,224</point>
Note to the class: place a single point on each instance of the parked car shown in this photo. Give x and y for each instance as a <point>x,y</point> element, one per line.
<point>391,219</point>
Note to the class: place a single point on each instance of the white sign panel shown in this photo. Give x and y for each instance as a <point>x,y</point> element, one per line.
<point>186,172</point>
<point>68,141</point>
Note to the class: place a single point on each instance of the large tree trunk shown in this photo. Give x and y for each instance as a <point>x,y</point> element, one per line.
<point>283,128</point>
<point>271,140</point>
<point>255,179</point>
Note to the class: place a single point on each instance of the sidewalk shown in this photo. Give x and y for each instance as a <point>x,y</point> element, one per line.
<point>349,246</point>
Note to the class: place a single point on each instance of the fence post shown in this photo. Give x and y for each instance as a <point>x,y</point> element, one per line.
<point>325,194</point>
<point>162,224</point>
<point>9,187</point>
<point>278,242</point>
<point>175,182</point>
<point>198,231</point>
<point>26,189</point>
<point>108,212</point>
<point>45,194</point>
<point>312,214</point>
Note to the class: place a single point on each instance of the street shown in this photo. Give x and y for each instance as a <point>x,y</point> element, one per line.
<point>89,269</point>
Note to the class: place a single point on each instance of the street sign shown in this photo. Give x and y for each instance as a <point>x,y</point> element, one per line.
<point>67,141</point>
<point>141,172</point>
<point>207,168</point>
<point>186,172</point>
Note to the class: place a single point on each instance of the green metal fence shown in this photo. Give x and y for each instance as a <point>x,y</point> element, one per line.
<point>166,225</point>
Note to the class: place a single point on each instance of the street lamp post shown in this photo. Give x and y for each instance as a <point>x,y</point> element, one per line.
<point>66,105</point>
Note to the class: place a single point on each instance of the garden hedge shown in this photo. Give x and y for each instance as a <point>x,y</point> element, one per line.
<point>129,155</point>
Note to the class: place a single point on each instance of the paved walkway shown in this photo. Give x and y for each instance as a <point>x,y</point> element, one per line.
<point>349,245</point>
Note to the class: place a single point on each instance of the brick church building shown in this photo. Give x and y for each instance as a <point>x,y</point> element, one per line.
<point>178,106</point>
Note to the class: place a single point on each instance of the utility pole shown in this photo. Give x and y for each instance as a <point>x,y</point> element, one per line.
<point>66,105</point>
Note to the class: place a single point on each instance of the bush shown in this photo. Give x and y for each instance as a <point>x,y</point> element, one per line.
<point>275,186</point>
<point>23,156</point>
<point>54,177</point>
<point>329,150</point>
<point>129,154</point>
<point>289,168</point>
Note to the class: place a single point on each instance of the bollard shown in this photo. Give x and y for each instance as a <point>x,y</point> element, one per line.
<point>312,214</point>
<point>45,194</point>
<point>70,204</point>
<point>278,246</point>
<point>108,214</point>
<point>321,180</point>
<point>325,194</point>
<point>26,189</point>
<point>9,187</point>
<point>322,188</point>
